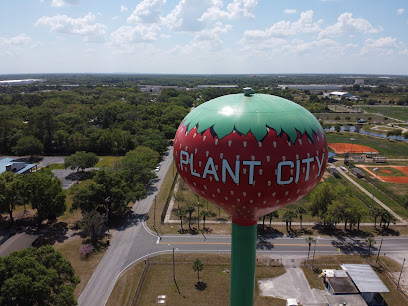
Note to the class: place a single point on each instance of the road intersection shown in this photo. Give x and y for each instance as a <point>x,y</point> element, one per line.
<point>134,242</point>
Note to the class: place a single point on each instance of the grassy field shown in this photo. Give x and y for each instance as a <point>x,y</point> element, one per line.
<point>108,161</point>
<point>388,148</point>
<point>83,268</point>
<point>394,111</point>
<point>159,281</point>
<point>394,297</point>
<point>330,117</point>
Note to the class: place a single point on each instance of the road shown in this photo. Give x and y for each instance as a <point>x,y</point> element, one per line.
<point>134,242</point>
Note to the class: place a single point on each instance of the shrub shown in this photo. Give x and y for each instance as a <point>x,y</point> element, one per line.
<point>86,250</point>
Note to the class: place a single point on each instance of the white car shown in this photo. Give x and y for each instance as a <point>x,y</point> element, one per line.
<point>157,169</point>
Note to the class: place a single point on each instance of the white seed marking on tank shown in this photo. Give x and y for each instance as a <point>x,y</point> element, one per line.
<point>244,194</point>
<point>204,138</point>
<point>216,167</point>
<point>229,142</point>
<point>260,171</point>
<point>232,192</point>
<point>180,145</point>
<point>259,144</point>
<point>308,155</point>
<point>237,157</point>
<point>216,141</point>
<point>269,183</point>
<point>238,200</point>
<point>199,163</point>
<point>186,148</point>
<point>313,167</point>
<point>264,202</point>
<point>221,155</point>
<point>276,172</point>
<point>318,139</point>
<point>251,201</point>
<point>226,198</point>
<point>274,144</point>
<point>194,183</point>
<point>206,153</point>
<point>297,156</point>
<point>286,193</point>
<point>289,143</point>
<point>211,178</point>
<point>283,158</point>
<point>213,195</point>
<point>253,157</point>
<point>218,190</point>
<point>300,141</point>
<point>245,144</point>
<point>233,205</point>
<point>195,150</point>
<point>202,192</point>
<point>303,169</point>
<point>291,171</point>
<point>277,201</point>
<point>176,153</point>
<point>244,170</point>
<point>268,158</point>
<point>298,191</point>
<point>273,194</point>
<point>195,134</point>
<point>259,194</point>
<point>288,199</point>
<point>205,187</point>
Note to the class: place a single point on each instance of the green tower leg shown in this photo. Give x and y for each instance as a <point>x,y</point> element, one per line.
<point>243,257</point>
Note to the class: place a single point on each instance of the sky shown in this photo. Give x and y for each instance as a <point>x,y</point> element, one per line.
<point>204,36</point>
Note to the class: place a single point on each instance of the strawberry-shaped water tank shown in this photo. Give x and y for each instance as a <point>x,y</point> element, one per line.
<point>250,154</point>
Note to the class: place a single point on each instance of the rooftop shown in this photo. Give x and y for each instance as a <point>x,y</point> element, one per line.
<point>342,285</point>
<point>364,277</point>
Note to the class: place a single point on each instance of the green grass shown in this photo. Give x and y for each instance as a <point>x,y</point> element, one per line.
<point>385,147</point>
<point>55,167</point>
<point>108,161</point>
<point>159,281</point>
<point>395,111</point>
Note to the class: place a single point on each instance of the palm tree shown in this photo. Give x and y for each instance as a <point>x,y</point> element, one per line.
<point>370,241</point>
<point>190,209</point>
<point>181,213</point>
<point>375,212</point>
<point>288,218</point>
<point>309,240</point>
<point>204,214</point>
<point>272,215</point>
<point>300,211</point>
<point>198,266</point>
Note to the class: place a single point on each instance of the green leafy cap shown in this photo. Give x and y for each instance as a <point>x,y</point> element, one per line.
<point>252,112</point>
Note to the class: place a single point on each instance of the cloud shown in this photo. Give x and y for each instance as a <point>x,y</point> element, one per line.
<point>346,23</point>
<point>304,24</point>
<point>400,11</point>
<point>289,11</point>
<point>147,11</point>
<point>235,9</point>
<point>186,15</point>
<point>126,37</point>
<point>84,27</point>
<point>12,45</point>
<point>123,9</point>
<point>61,3</point>
<point>383,46</point>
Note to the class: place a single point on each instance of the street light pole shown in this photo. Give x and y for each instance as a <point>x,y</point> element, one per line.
<point>375,180</point>
<point>379,250</point>
<point>198,211</point>
<point>314,251</point>
<point>400,273</point>
<point>351,153</point>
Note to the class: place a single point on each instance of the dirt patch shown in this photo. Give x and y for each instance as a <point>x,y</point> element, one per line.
<point>342,148</point>
<point>385,171</point>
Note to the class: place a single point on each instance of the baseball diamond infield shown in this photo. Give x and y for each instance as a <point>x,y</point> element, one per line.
<point>342,148</point>
<point>403,179</point>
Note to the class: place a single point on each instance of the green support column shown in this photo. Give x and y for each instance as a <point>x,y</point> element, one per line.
<point>243,258</point>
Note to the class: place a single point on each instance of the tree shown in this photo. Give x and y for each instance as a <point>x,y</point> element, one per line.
<point>370,241</point>
<point>320,199</point>
<point>375,213</point>
<point>93,223</point>
<point>198,266</point>
<point>37,277</point>
<point>28,145</point>
<point>405,201</point>
<point>309,240</point>
<point>81,160</point>
<point>272,215</point>
<point>300,211</point>
<point>9,193</point>
<point>386,218</point>
<point>288,218</point>
<point>181,213</point>
<point>204,214</point>
<point>43,190</point>
<point>190,209</point>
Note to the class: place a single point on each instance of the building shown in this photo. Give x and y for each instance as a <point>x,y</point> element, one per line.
<point>21,82</point>
<point>319,87</point>
<point>216,86</point>
<point>340,94</point>
<point>357,172</point>
<point>8,164</point>
<point>367,282</point>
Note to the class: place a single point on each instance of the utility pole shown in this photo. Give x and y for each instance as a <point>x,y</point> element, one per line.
<point>375,180</point>
<point>154,213</point>
<point>198,210</point>
<point>400,273</point>
<point>174,269</point>
<point>314,251</point>
<point>379,250</point>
